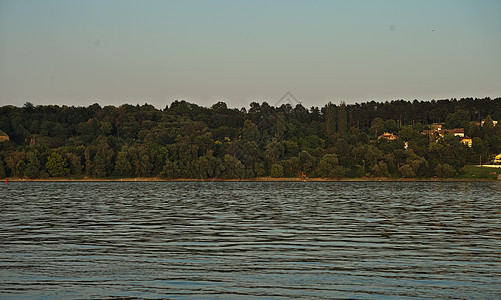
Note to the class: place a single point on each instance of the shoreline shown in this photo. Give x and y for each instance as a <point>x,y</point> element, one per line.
<point>257,179</point>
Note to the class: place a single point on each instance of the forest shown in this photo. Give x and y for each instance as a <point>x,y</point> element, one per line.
<point>185,140</point>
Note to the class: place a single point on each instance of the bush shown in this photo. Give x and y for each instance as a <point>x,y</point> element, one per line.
<point>338,172</point>
<point>32,172</point>
<point>277,171</point>
<point>407,171</point>
<point>2,171</point>
<point>380,169</point>
<point>57,165</point>
<point>356,171</point>
<point>445,171</point>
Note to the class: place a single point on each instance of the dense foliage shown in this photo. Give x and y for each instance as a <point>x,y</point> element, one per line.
<point>185,140</point>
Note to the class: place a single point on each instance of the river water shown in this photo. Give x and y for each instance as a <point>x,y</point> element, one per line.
<point>250,240</point>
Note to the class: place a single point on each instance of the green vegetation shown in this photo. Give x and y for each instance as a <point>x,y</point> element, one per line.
<point>185,140</point>
<point>476,172</point>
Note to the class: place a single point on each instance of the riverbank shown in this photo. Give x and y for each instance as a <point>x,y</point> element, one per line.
<point>257,179</point>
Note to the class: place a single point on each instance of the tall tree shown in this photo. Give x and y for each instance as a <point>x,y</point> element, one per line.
<point>342,118</point>
<point>56,165</point>
<point>330,119</point>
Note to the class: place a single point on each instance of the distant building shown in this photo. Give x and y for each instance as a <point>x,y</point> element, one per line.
<point>456,131</point>
<point>430,132</point>
<point>3,136</point>
<point>438,132</point>
<point>483,121</point>
<point>436,127</point>
<point>467,141</point>
<point>388,136</point>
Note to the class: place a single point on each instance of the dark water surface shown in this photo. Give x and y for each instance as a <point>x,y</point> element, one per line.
<point>249,240</point>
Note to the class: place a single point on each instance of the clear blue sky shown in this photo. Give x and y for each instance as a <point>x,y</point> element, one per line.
<point>114,52</point>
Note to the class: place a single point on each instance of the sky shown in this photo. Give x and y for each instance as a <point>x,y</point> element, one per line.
<point>69,52</point>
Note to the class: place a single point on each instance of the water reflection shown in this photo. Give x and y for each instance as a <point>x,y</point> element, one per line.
<point>250,239</point>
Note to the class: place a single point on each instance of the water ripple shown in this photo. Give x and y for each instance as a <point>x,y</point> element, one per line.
<point>250,240</point>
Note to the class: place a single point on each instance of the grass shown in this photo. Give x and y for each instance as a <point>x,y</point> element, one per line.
<point>475,172</point>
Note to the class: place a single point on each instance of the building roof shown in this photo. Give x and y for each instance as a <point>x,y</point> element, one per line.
<point>444,131</point>
<point>455,130</point>
<point>3,136</point>
<point>388,136</point>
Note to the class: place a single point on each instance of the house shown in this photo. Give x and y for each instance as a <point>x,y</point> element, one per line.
<point>3,136</point>
<point>456,131</point>
<point>388,136</point>
<point>467,141</point>
<point>438,132</point>
<point>483,121</point>
<point>436,127</point>
<point>497,159</point>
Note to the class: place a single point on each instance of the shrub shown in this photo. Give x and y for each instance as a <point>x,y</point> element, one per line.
<point>407,171</point>
<point>380,169</point>
<point>445,171</point>
<point>277,171</point>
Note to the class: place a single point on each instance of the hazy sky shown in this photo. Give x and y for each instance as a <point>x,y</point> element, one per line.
<point>114,52</point>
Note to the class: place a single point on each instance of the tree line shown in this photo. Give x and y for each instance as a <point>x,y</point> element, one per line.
<point>185,140</point>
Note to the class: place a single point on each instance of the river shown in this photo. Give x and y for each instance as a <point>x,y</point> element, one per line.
<point>250,240</point>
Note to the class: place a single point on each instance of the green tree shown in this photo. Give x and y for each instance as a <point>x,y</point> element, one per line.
<point>373,155</point>
<point>327,166</point>
<point>355,171</point>
<point>390,126</point>
<point>123,166</point>
<point>291,148</point>
<point>3,174</point>
<point>75,164</point>
<point>280,127</point>
<point>56,165</point>
<point>408,133</point>
<point>377,126</point>
<point>330,120</point>
<point>250,131</point>
<point>459,119</point>
<point>274,151</point>
<point>473,130</point>
<point>481,153</point>
<point>277,171</point>
<point>106,128</point>
<point>445,171</point>
<point>380,169</point>
<point>102,162</point>
<point>343,149</point>
<point>171,169</point>
<point>342,122</point>
<point>251,154</point>
<point>33,169</point>
<point>144,164</point>
<point>14,160</point>
<point>88,160</point>
<point>232,167</point>
<point>306,163</point>
<point>419,165</point>
<point>338,172</point>
<point>259,169</point>
<point>99,166</point>
<point>407,171</point>
<point>488,127</point>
